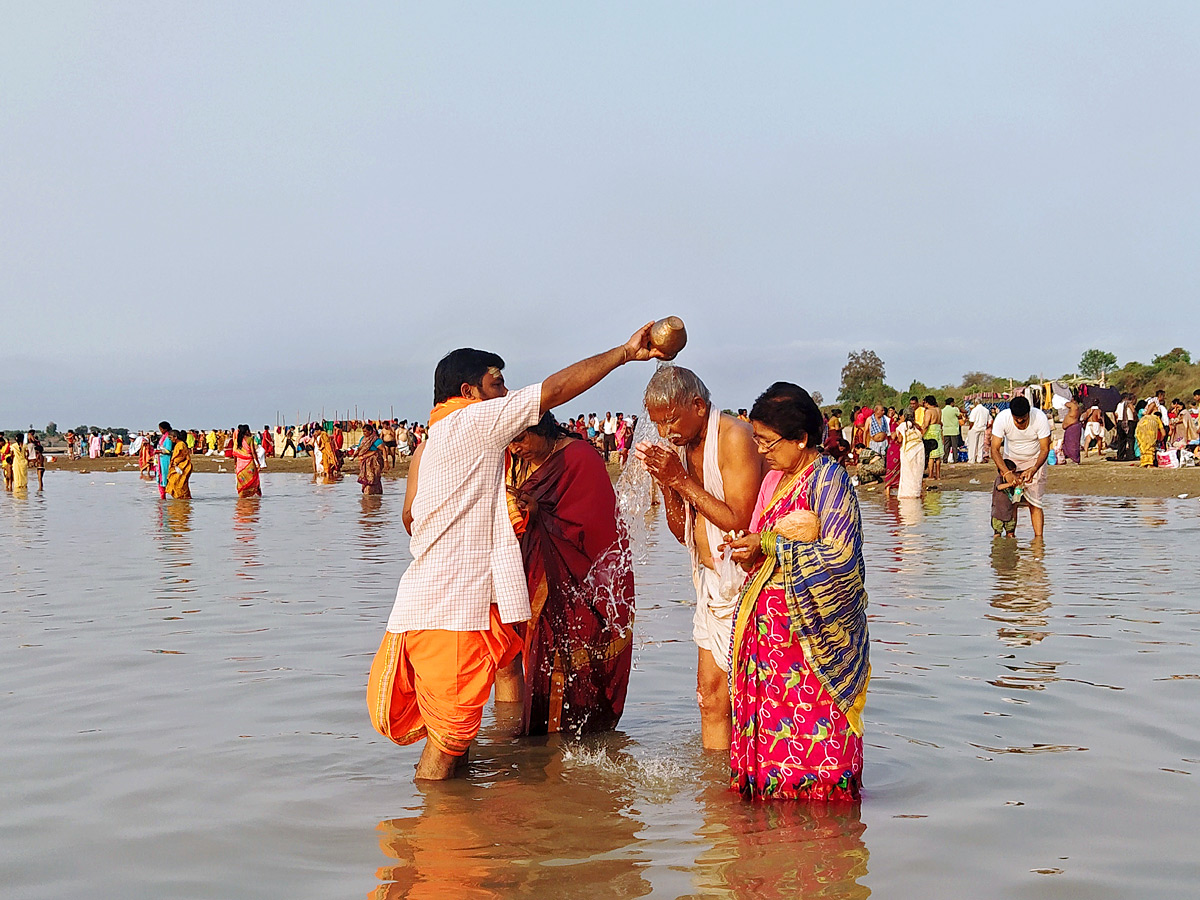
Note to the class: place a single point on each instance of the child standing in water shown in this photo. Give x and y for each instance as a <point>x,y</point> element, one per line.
<point>1005,493</point>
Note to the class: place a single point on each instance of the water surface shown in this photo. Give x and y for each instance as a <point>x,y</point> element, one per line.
<point>182,689</point>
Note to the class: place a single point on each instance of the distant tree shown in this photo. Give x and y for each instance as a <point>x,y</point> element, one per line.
<point>977,378</point>
<point>1177,355</point>
<point>51,429</point>
<point>817,398</point>
<point>1096,363</point>
<point>862,378</point>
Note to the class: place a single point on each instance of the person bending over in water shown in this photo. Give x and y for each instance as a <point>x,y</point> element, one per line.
<point>451,627</point>
<point>709,477</point>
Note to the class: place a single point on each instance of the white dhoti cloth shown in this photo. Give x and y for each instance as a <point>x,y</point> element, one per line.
<point>712,623</point>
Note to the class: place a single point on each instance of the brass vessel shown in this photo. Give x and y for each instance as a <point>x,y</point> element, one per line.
<point>668,336</point>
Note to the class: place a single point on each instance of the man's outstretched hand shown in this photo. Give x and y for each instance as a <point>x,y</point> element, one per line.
<point>638,348</point>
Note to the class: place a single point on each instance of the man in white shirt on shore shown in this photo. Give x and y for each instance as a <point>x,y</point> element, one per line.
<point>978,419</point>
<point>451,626</point>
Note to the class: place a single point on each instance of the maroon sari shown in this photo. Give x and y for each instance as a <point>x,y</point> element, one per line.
<point>579,640</point>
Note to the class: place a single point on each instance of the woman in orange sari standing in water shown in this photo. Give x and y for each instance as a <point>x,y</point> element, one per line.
<point>578,647</point>
<point>370,460</point>
<point>181,468</point>
<point>326,463</point>
<point>245,455</point>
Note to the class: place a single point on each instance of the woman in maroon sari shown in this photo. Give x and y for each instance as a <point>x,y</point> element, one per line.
<point>579,640</point>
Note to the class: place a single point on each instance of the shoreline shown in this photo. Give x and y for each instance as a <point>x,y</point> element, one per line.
<point>1094,478</point>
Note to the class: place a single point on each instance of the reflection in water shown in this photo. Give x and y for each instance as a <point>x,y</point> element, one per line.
<point>1022,592</point>
<point>912,511</point>
<point>780,850</point>
<point>373,537</point>
<point>245,530</point>
<point>495,840</point>
<point>174,538</point>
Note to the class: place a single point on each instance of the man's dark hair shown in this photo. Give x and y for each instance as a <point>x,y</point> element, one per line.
<point>929,398</point>
<point>913,399</point>
<point>1019,407</point>
<point>789,410</point>
<point>459,367</point>
<point>949,401</point>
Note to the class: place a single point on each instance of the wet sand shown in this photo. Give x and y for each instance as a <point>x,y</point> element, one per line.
<point>1094,478</point>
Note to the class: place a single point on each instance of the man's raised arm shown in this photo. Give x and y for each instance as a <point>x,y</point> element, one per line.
<point>572,381</point>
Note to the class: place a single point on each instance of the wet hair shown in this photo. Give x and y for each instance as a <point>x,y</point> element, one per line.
<point>1019,407</point>
<point>164,426</point>
<point>789,411</point>
<point>674,386</point>
<point>463,366</point>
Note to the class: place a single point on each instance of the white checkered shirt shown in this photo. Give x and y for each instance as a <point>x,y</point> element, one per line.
<point>465,552</point>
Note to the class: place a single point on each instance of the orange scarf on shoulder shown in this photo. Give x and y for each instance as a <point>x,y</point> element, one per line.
<point>443,409</point>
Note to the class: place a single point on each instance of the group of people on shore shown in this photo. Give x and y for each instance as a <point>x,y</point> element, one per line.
<point>521,582</point>
<point>1151,432</point>
<point>608,435</point>
<point>18,455</point>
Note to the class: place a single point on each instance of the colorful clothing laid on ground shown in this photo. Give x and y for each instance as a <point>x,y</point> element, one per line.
<point>1070,441</point>
<point>370,464</point>
<point>435,683</point>
<point>800,647</point>
<point>578,648</point>
<point>246,469</point>
<point>1149,432</point>
<point>180,472</point>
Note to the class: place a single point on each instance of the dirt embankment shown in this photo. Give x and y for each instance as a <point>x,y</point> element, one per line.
<point>1096,477</point>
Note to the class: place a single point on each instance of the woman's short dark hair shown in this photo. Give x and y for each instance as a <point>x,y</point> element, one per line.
<point>459,367</point>
<point>789,411</point>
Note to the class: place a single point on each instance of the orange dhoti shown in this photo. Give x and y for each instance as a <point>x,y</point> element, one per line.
<point>435,683</point>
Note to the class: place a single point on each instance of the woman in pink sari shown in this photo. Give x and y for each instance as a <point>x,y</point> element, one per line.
<point>245,455</point>
<point>799,653</point>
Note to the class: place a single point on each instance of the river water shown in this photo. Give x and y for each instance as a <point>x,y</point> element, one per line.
<point>182,692</point>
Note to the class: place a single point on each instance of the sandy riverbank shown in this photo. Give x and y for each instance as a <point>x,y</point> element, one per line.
<point>1096,478</point>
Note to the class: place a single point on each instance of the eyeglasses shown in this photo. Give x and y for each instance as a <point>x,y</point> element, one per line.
<point>763,448</point>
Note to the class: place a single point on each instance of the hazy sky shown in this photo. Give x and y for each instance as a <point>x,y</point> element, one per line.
<point>214,211</point>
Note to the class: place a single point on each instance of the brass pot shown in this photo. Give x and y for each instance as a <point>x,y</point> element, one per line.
<point>668,336</point>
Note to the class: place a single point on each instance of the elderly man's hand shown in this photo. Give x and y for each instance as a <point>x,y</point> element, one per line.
<point>662,463</point>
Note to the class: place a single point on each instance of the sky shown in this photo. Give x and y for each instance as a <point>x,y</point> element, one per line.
<point>229,212</point>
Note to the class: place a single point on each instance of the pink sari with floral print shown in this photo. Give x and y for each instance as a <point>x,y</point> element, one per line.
<point>790,738</point>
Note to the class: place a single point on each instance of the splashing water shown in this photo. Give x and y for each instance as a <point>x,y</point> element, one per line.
<point>636,492</point>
